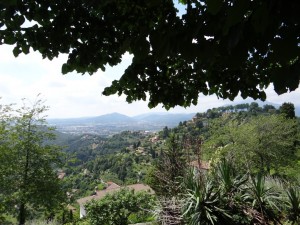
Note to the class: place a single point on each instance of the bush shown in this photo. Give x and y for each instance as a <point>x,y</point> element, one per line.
<point>119,207</point>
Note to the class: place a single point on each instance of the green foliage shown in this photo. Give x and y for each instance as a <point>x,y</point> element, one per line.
<point>29,182</point>
<point>217,47</point>
<point>123,158</point>
<point>270,147</point>
<point>288,110</point>
<point>203,202</point>
<point>227,197</point>
<point>264,198</point>
<point>169,169</point>
<point>227,179</point>
<point>217,197</point>
<point>293,203</point>
<point>241,134</point>
<point>119,207</point>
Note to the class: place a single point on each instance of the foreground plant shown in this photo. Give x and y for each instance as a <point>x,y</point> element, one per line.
<point>293,203</point>
<point>203,204</point>
<point>117,208</point>
<point>232,186</point>
<point>265,201</point>
<point>29,182</point>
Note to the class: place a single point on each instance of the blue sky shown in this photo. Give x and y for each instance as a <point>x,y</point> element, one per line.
<point>74,95</point>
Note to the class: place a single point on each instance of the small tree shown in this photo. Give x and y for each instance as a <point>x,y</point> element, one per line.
<point>265,143</point>
<point>27,161</point>
<point>116,208</point>
<point>169,169</point>
<point>288,110</point>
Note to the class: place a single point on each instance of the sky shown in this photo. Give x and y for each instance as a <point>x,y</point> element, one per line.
<point>75,95</point>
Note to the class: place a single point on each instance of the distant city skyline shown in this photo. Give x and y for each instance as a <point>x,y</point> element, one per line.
<point>74,95</point>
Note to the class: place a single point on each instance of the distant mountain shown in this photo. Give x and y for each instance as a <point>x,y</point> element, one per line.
<point>116,122</point>
<point>168,119</point>
<point>111,118</point>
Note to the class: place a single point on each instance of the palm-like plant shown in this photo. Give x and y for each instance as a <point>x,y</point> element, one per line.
<point>265,200</point>
<point>203,204</point>
<point>293,203</point>
<point>228,180</point>
<point>232,186</point>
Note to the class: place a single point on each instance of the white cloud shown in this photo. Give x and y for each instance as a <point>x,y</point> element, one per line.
<point>74,95</point>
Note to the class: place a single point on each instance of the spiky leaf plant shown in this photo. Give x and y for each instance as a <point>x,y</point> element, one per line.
<point>293,203</point>
<point>203,203</point>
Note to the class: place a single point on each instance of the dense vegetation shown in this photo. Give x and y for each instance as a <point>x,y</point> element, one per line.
<point>28,164</point>
<point>121,208</point>
<point>254,168</point>
<point>261,143</point>
<point>252,177</point>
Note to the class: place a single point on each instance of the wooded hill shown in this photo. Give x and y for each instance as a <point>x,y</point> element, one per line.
<point>127,157</point>
<point>253,143</point>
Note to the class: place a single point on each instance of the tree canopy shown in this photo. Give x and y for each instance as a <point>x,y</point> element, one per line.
<point>29,182</point>
<point>288,109</point>
<point>221,47</point>
<point>260,143</point>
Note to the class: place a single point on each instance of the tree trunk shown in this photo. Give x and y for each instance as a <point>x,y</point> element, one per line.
<point>22,212</point>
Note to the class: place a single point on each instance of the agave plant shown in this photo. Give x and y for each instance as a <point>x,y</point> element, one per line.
<point>232,186</point>
<point>203,204</point>
<point>228,180</point>
<point>265,200</point>
<point>293,203</point>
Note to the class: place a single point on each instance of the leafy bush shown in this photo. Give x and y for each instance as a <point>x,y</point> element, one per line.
<point>118,208</point>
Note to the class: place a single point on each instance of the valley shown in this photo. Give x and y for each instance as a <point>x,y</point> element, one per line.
<point>114,123</point>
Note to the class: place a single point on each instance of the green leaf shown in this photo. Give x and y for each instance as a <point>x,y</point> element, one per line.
<point>235,15</point>
<point>10,40</point>
<point>214,6</point>
<point>19,20</point>
<point>25,49</point>
<point>65,68</point>
<point>153,3</point>
<point>16,51</point>
<point>8,2</point>
<point>182,2</point>
<point>285,50</point>
<point>260,18</point>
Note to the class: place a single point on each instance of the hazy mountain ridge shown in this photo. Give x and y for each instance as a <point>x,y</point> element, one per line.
<point>167,118</point>
<point>116,122</point>
<point>104,119</point>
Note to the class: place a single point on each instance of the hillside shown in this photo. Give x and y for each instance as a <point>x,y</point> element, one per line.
<point>227,132</point>
<point>111,118</point>
<point>109,124</point>
<point>92,150</point>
